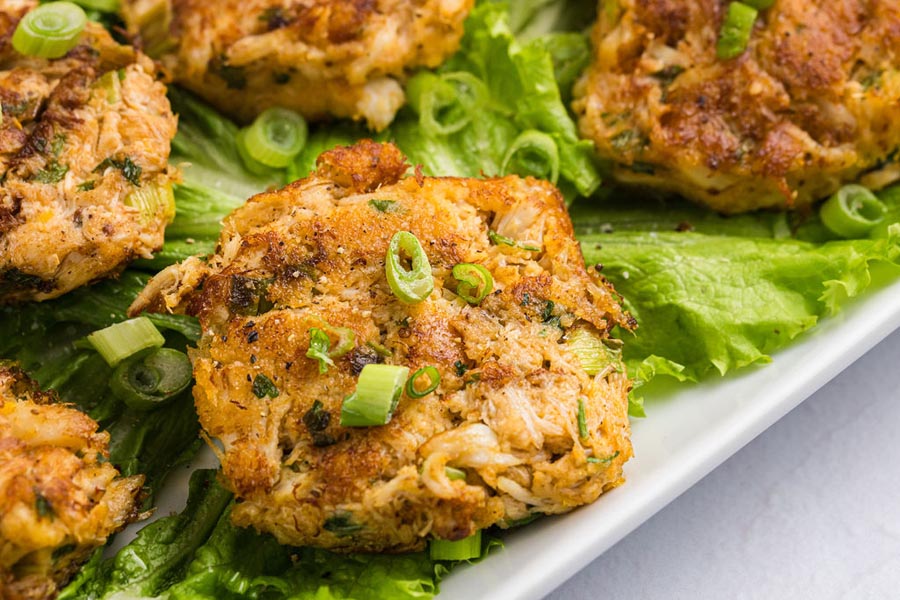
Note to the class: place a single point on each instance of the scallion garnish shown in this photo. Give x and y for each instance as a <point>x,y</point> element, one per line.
<point>409,285</point>
<point>375,399</point>
<point>321,349</point>
<point>502,240</point>
<point>275,137</point>
<point>532,153</point>
<point>445,103</point>
<point>464,549</point>
<point>475,282</point>
<point>852,212</point>
<point>117,342</point>
<point>603,461</point>
<point>736,29</point>
<point>590,350</point>
<point>434,380</point>
<point>50,30</point>
<point>759,4</point>
<point>319,343</point>
<point>582,421</point>
<point>100,5</point>
<point>150,198</point>
<point>454,474</point>
<point>147,381</point>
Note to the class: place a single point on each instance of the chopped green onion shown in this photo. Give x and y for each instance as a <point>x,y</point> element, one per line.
<point>375,399</point>
<point>409,285</point>
<point>262,386</point>
<point>532,153</point>
<point>736,30</point>
<point>454,474</point>
<point>275,137</point>
<point>502,240</point>
<point>253,165</point>
<point>346,340</point>
<point>110,83</point>
<point>592,353</point>
<point>117,342</point>
<point>759,4</point>
<point>319,343</point>
<point>150,198</point>
<point>582,421</point>
<point>434,380</point>
<point>109,6</point>
<point>50,30</point>
<point>445,103</point>
<point>147,381</point>
<point>852,211</point>
<point>603,461</point>
<point>464,549</point>
<point>320,347</point>
<point>475,282</point>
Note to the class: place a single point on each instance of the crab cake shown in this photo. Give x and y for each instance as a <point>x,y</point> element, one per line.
<point>506,410</point>
<point>84,147</point>
<point>813,102</point>
<point>318,57</point>
<point>59,496</point>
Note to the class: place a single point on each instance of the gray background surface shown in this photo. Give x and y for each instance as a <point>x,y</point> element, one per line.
<point>809,509</point>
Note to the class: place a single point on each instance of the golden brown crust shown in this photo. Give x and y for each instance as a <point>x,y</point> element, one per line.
<point>319,57</point>
<point>59,496</point>
<point>64,218</point>
<point>506,409</point>
<point>810,105</point>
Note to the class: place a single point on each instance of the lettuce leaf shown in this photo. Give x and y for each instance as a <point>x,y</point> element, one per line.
<point>159,555</point>
<point>198,554</point>
<point>205,149</point>
<point>46,339</point>
<point>524,94</point>
<point>715,303</point>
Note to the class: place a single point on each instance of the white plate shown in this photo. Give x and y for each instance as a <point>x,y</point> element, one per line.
<point>686,435</point>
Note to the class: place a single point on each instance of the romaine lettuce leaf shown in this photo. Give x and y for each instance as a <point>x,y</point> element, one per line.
<point>198,555</point>
<point>524,95</point>
<point>205,149</point>
<point>46,338</point>
<point>708,302</point>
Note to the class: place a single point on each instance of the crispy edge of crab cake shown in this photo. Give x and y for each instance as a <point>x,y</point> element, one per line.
<point>810,105</point>
<point>323,58</point>
<point>507,407</point>
<point>60,498</point>
<point>84,148</point>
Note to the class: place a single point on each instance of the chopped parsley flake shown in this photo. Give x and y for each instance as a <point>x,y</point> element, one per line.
<point>130,170</point>
<point>52,173</point>
<point>263,386</point>
<point>384,206</point>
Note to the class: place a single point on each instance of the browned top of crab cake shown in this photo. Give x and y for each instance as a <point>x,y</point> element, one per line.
<point>318,57</point>
<point>810,105</point>
<point>83,141</point>
<point>506,410</point>
<point>59,496</point>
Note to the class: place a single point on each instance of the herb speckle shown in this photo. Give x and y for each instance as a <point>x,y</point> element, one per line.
<point>263,386</point>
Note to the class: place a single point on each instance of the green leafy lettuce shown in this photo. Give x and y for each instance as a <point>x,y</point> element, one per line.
<point>47,339</point>
<point>198,554</point>
<point>723,293</point>
<point>523,80</point>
